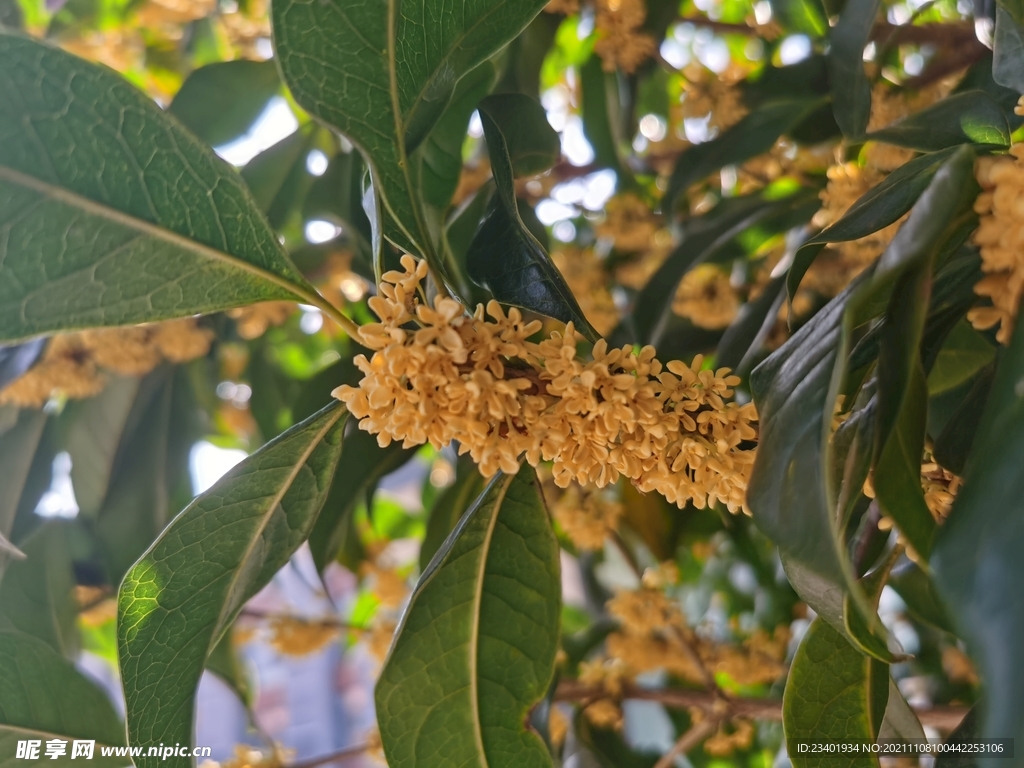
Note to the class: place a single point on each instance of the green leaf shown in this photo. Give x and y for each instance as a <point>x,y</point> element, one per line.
<point>440,156</point>
<point>221,101</point>
<point>953,445</point>
<point>753,135</point>
<point>45,697</point>
<point>971,117</point>
<point>833,694</point>
<point>506,258</point>
<point>1008,50</point>
<point>18,445</point>
<point>277,176</point>
<point>596,88</point>
<point>702,237</point>
<point>383,75</point>
<point>748,332</point>
<point>338,196</point>
<point>920,594</point>
<point>964,353</point>
<point>900,721</point>
<point>976,559</point>
<point>225,664</point>
<point>363,463</point>
<point>449,507</point>
<point>99,225</point>
<point>152,463</point>
<point>532,144</point>
<point>807,16</point>
<point>851,91</point>
<point>476,646</point>
<point>177,602</point>
<point>37,594</point>
<point>876,209</point>
<point>968,732</point>
<point>902,390</point>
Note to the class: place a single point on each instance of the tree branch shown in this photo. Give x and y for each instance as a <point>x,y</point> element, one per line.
<point>943,718</point>
<point>341,754</point>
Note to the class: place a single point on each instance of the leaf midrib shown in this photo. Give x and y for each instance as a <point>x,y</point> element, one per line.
<point>475,629</point>
<point>271,509</point>
<point>63,195</point>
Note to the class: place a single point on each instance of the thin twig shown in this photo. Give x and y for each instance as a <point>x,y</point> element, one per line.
<point>341,754</point>
<point>689,740</point>
<point>324,621</point>
<point>943,718</point>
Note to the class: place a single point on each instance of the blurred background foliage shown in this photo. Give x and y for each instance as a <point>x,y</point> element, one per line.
<point>106,435</point>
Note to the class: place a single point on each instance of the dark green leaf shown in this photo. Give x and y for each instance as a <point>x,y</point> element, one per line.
<point>964,353</point>
<point>972,117</point>
<point>45,697</point>
<point>1008,49</point>
<point>476,646</point>
<point>440,155</point>
<point>833,694</point>
<point>18,444</point>
<point>532,144</point>
<point>449,508</point>
<point>976,559</point>
<point>753,135</point>
<point>968,732</point>
<point>902,391</point>
<point>221,101</point>
<point>702,237</point>
<point>383,75</point>
<point>363,463</point>
<point>953,444</point>
<point>878,208</point>
<point>225,664</point>
<point>807,16</point>
<point>178,601</point>
<point>595,88</point>
<point>748,332</point>
<point>111,234</point>
<point>851,91</point>
<point>507,259</point>
<point>10,14</point>
<point>780,83</point>
<point>277,176</point>
<point>37,594</point>
<point>919,593</point>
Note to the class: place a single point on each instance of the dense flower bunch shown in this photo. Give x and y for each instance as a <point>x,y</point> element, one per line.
<point>999,236</point>
<point>620,43</point>
<point>483,383</point>
<point>587,515</point>
<point>586,277</point>
<point>715,96</point>
<point>73,363</point>
<point>706,297</point>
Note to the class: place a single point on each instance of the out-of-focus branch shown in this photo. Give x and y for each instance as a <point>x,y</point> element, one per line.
<point>943,718</point>
<point>341,754</point>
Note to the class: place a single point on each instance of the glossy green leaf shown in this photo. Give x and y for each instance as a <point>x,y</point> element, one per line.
<point>964,353</point>
<point>151,465</point>
<point>113,234</point>
<point>18,444</point>
<point>953,444</point>
<point>971,117</point>
<point>902,390</point>
<point>504,255</point>
<point>383,75</point>
<point>363,463</point>
<point>44,697</point>
<point>1008,51</point>
<point>177,602</point>
<point>449,507</point>
<point>221,101</point>
<point>277,176</point>
<point>37,593</point>
<point>833,693</point>
<point>532,144</point>
<point>876,209</point>
<point>476,647</point>
<point>596,87</point>
<point>976,559</point>
<point>440,156</point>
<point>807,16</point>
<point>748,332</point>
<point>851,91</point>
<point>702,237</point>
<point>753,135</point>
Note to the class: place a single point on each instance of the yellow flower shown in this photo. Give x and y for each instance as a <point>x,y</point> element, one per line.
<point>604,714</point>
<point>620,44</point>
<point>299,637</point>
<point>628,223</point>
<point>480,380</point>
<point>586,515</point>
<point>584,273</point>
<point>253,321</point>
<point>706,297</point>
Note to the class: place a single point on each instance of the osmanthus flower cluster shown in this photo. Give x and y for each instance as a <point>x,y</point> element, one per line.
<point>479,380</point>
<point>1000,236</point>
